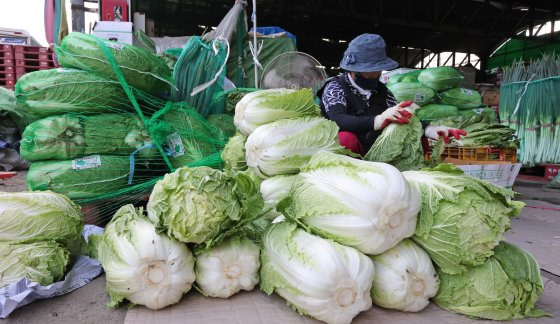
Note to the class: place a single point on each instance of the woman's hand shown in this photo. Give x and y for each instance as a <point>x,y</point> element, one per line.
<point>396,114</point>
<point>435,132</point>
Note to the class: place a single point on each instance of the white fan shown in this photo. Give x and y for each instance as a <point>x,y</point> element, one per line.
<point>293,70</point>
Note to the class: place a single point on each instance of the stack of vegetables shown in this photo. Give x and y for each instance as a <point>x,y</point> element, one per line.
<point>86,127</point>
<point>329,233</point>
<point>102,133</point>
<point>40,236</point>
<point>529,104</point>
<point>450,106</point>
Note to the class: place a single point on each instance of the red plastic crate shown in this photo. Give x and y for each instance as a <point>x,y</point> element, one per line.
<point>7,54</point>
<point>6,47</point>
<point>551,171</point>
<point>7,83</point>
<point>6,62</point>
<point>7,76</point>
<point>33,56</point>
<point>35,63</point>
<point>7,69</point>
<point>30,49</point>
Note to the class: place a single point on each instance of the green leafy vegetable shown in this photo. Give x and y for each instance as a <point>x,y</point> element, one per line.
<point>462,218</point>
<point>440,78</point>
<point>141,265</point>
<point>366,205</point>
<point>505,287</point>
<point>58,91</point>
<point>317,277</point>
<point>412,91</point>
<point>27,217</point>
<point>265,106</point>
<point>283,146</point>
<point>462,98</point>
<point>234,153</point>
<point>228,268</point>
<point>399,145</point>
<point>435,111</point>
<point>43,262</point>
<point>405,278</point>
<point>141,68</point>
<point>194,205</point>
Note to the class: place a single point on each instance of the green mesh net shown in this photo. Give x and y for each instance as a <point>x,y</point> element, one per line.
<point>105,143</point>
<point>199,72</point>
<point>142,69</point>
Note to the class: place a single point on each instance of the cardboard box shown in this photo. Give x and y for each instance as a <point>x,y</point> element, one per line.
<point>500,173</point>
<point>115,31</point>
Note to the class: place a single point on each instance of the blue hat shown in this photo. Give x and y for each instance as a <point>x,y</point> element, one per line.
<point>366,53</point>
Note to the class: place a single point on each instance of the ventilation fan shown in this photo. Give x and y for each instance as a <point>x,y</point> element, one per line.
<point>293,70</point>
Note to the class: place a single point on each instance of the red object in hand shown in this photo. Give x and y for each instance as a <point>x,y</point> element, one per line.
<point>405,115</point>
<point>457,133</point>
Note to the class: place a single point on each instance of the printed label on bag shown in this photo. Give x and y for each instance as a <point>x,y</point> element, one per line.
<point>175,145</point>
<point>478,111</point>
<point>115,45</point>
<point>418,97</point>
<point>467,92</point>
<point>88,162</point>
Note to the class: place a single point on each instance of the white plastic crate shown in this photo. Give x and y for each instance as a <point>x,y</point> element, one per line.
<point>502,174</point>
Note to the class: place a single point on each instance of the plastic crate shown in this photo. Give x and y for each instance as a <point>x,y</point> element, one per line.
<point>9,84</point>
<point>7,75</point>
<point>30,49</point>
<point>22,70</point>
<point>6,62</point>
<point>477,153</point>
<point>6,47</point>
<point>499,173</point>
<point>33,56</point>
<point>34,63</point>
<point>551,171</point>
<point>7,54</point>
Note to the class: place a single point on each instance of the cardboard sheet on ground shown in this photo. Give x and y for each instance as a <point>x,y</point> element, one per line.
<point>256,307</point>
<point>537,230</point>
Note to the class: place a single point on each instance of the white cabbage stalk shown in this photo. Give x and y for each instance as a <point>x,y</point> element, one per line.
<point>282,147</point>
<point>366,205</point>
<point>317,277</point>
<point>228,268</point>
<point>141,265</point>
<point>265,106</point>
<point>275,189</point>
<point>405,278</point>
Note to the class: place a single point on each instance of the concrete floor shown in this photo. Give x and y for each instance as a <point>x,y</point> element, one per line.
<point>536,230</point>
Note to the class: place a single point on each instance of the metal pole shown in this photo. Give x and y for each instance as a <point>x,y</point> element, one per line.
<point>78,19</point>
<point>254,18</point>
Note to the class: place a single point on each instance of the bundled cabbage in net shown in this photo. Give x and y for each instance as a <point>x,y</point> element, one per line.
<point>142,69</point>
<point>58,91</point>
<point>434,111</point>
<point>10,113</point>
<point>84,177</point>
<point>411,76</point>
<point>223,123</point>
<point>412,91</point>
<point>69,136</point>
<point>187,137</point>
<point>440,78</point>
<point>462,98</point>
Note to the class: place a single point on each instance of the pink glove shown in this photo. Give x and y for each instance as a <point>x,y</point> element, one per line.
<point>394,114</point>
<point>435,132</point>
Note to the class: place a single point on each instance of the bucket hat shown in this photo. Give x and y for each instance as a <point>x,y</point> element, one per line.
<point>366,53</point>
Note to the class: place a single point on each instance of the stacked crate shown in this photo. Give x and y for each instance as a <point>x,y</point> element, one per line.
<point>32,58</point>
<point>7,67</point>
